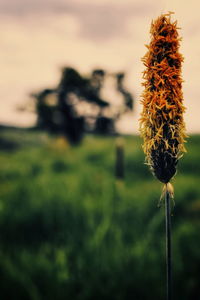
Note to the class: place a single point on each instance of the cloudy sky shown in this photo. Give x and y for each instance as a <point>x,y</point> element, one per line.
<point>38,37</point>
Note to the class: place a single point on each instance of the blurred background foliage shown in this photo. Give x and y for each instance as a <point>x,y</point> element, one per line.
<point>70,230</point>
<point>76,106</point>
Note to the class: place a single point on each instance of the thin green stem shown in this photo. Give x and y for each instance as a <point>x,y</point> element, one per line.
<point>168,246</point>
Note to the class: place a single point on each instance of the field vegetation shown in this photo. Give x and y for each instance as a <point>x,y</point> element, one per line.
<point>70,230</point>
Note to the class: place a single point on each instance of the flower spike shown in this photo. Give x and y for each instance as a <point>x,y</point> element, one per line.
<point>161,124</point>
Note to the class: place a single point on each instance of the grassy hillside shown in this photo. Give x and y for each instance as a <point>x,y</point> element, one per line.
<point>69,230</point>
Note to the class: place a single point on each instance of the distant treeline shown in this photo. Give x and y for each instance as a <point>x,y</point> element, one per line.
<point>76,106</point>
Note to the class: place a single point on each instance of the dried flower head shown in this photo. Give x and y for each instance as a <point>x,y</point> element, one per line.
<point>162,125</point>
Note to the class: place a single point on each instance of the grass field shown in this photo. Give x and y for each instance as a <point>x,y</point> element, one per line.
<point>69,230</point>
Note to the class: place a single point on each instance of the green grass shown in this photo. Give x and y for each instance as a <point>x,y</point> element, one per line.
<point>68,230</point>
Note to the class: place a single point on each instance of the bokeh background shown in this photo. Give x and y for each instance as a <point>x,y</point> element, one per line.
<point>40,37</point>
<point>78,207</point>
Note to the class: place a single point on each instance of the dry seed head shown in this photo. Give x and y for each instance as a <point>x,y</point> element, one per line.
<point>161,124</point>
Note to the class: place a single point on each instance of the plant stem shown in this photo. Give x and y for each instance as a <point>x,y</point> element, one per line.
<point>168,246</point>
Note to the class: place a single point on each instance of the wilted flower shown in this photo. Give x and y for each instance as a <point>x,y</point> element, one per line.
<point>162,125</point>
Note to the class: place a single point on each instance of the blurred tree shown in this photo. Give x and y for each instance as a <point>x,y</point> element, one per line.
<point>76,105</point>
<point>45,110</point>
<point>128,98</point>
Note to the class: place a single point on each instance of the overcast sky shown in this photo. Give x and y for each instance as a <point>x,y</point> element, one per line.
<point>38,37</point>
